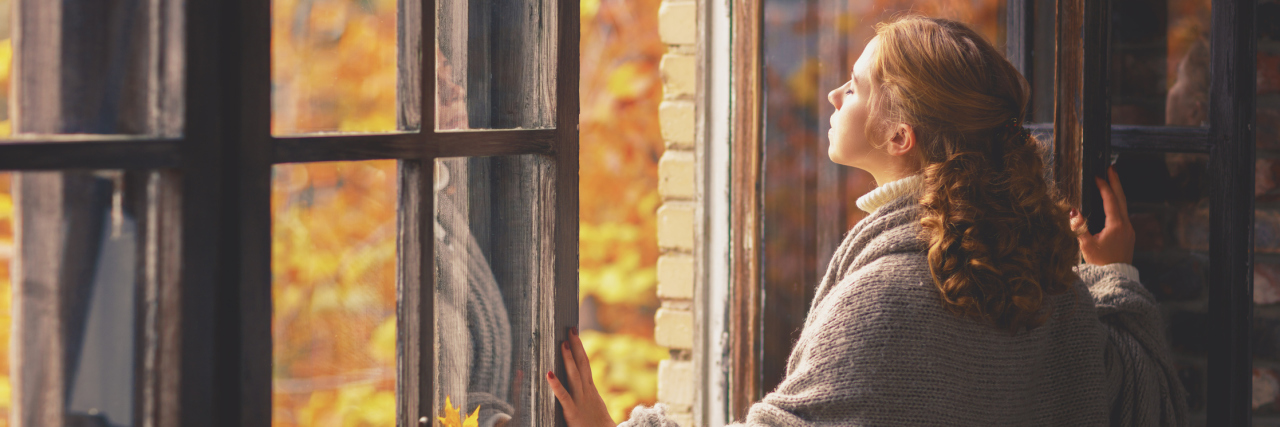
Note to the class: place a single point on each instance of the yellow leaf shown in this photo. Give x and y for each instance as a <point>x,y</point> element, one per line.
<point>451,416</point>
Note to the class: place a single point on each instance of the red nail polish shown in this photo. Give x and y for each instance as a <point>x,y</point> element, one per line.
<point>574,330</point>
<point>551,375</point>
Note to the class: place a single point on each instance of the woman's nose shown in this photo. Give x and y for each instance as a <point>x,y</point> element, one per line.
<point>834,97</point>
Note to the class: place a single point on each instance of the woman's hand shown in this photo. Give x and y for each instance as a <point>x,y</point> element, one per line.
<point>583,407</point>
<point>1115,242</point>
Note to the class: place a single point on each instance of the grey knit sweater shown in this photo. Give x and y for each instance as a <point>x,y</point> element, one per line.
<point>878,348</point>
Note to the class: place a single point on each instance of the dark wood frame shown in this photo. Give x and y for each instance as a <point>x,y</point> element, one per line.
<point>210,258</point>
<point>1083,145</point>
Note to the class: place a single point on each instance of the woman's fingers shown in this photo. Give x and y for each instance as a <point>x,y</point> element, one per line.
<point>1118,190</point>
<point>580,355</point>
<point>571,367</point>
<point>562,395</point>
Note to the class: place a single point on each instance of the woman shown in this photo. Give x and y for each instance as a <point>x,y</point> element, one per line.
<point>958,300</point>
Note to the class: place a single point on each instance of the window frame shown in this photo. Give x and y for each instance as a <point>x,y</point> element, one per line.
<point>210,251</point>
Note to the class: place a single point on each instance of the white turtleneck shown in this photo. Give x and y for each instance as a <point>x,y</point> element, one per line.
<point>886,193</point>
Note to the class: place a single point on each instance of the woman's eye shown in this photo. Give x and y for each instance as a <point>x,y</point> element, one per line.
<point>848,92</point>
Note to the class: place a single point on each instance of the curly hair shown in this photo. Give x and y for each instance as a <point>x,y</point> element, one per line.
<point>999,236</point>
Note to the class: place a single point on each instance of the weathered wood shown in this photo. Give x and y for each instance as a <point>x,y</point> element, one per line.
<point>1068,80</point>
<point>1095,106</point>
<point>37,372</point>
<point>1232,98</point>
<point>409,65</point>
<point>53,153</point>
<point>522,61</point>
<point>745,154</point>
<point>415,299</point>
<point>565,16</point>
<point>82,66</point>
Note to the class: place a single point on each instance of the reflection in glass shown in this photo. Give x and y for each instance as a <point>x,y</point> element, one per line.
<point>333,66</point>
<point>1169,209</point>
<point>495,64</point>
<point>1160,62</point>
<point>333,294</point>
<point>492,311</point>
<point>73,314</point>
<point>810,47</point>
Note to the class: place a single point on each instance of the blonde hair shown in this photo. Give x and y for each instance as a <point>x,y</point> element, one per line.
<point>999,236</point>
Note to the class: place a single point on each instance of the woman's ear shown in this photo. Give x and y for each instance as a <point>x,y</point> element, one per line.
<point>903,140</point>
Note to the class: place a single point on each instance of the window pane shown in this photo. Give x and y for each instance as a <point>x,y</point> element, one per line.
<point>1266,267</point>
<point>493,294</point>
<point>333,66</point>
<point>495,64</point>
<point>333,294</point>
<point>75,313</point>
<point>1169,209</point>
<point>1160,62</point>
<point>809,48</point>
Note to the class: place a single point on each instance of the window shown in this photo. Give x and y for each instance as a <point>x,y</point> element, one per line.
<point>1167,86</point>
<point>149,188</point>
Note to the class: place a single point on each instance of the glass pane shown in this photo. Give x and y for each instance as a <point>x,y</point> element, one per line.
<point>1160,62</point>
<point>71,316</point>
<point>809,48</point>
<point>333,294</point>
<point>333,66</point>
<point>1169,209</point>
<point>1043,57</point>
<point>493,298</point>
<point>495,64</point>
<point>1266,267</point>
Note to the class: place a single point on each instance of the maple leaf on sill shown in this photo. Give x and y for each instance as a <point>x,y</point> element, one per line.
<point>452,418</point>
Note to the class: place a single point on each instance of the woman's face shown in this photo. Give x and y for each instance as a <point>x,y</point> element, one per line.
<point>849,144</point>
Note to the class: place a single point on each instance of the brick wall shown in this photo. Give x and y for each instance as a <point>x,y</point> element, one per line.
<point>677,218</point>
<point>1266,273</point>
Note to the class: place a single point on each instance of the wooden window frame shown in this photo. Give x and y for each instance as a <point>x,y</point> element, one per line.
<point>209,253</point>
<point>1082,146</point>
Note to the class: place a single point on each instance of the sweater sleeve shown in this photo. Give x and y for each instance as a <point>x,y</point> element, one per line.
<point>1143,384</point>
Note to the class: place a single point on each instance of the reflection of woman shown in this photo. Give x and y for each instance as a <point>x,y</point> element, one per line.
<point>958,300</point>
<point>473,330</point>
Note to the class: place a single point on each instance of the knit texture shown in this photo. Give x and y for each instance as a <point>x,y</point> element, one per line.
<point>885,193</point>
<point>879,348</point>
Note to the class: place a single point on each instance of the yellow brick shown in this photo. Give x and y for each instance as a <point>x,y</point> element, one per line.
<point>678,22</point>
<point>676,175</point>
<point>679,75</point>
<point>677,121</point>
<point>675,384</point>
<point>681,418</point>
<point>673,328</point>
<point>675,276</point>
<point>675,226</point>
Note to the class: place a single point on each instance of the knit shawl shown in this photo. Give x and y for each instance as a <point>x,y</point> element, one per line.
<point>879,348</point>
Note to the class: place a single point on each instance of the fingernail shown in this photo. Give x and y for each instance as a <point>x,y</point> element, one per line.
<point>573,330</point>
<point>551,375</point>
<point>1075,212</point>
